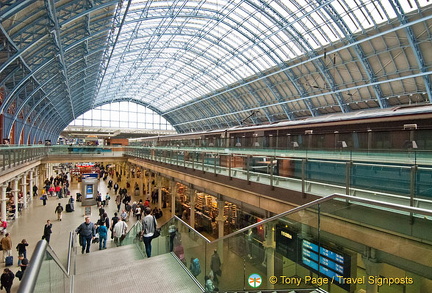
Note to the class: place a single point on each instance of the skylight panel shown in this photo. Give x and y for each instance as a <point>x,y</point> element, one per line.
<point>263,62</point>
<point>281,7</point>
<point>383,9</point>
<point>280,51</point>
<point>344,13</point>
<point>409,5</point>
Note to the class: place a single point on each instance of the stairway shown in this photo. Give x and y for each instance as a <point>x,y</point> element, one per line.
<point>122,269</point>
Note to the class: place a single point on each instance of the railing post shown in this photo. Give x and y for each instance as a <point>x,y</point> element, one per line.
<point>230,159</point>
<point>348,168</point>
<point>413,185</point>
<point>272,167</point>
<point>248,157</point>
<point>303,178</point>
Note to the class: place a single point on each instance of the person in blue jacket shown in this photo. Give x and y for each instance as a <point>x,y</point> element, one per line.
<point>102,230</point>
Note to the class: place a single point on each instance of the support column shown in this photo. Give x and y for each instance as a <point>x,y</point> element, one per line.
<point>159,186</point>
<point>50,170</point>
<point>31,183</point>
<point>149,188</point>
<point>221,223</point>
<point>123,169</point>
<point>269,248</point>
<point>40,175</point>
<point>37,177</point>
<point>24,190</point>
<point>192,207</point>
<point>173,197</point>
<point>40,179</point>
<point>3,202</point>
<point>141,183</point>
<point>220,218</point>
<point>15,193</point>
<point>372,269</point>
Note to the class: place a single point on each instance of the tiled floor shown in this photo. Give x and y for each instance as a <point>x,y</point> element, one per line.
<point>30,225</point>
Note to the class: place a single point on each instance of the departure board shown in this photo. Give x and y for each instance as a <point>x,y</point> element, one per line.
<point>323,260</point>
<point>326,262</point>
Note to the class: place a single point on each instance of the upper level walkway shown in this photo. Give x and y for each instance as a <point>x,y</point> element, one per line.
<point>398,177</point>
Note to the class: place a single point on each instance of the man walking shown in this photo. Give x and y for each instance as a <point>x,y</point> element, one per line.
<point>47,231</point>
<point>6,244</point>
<point>149,225</point>
<point>86,232</point>
<point>215,266</point>
<point>6,280</point>
<point>103,232</point>
<point>59,211</point>
<point>119,231</point>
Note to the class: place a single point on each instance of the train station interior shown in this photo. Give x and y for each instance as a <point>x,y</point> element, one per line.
<point>280,146</point>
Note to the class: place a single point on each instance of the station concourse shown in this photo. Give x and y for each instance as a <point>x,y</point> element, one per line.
<point>293,138</point>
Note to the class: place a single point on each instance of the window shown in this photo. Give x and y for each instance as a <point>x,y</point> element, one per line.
<point>115,115</point>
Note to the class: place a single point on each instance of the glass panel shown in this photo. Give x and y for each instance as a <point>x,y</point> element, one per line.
<point>51,277</point>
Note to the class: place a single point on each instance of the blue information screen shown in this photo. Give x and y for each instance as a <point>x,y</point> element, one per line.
<point>325,261</point>
<point>89,191</point>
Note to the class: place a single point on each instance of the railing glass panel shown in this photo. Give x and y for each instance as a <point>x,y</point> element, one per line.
<point>327,244</point>
<point>399,177</point>
<point>46,273</point>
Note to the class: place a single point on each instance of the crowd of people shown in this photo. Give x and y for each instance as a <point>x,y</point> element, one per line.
<point>7,278</point>
<point>105,228</point>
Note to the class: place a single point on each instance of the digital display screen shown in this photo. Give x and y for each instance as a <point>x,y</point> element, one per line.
<point>90,175</point>
<point>325,261</point>
<point>89,191</point>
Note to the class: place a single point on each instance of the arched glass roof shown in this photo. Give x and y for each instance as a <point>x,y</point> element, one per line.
<point>206,64</point>
<point>172,52</point>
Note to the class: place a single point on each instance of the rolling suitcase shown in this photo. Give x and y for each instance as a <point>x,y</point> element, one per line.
<point>9,261</point>
<point>69,208</point>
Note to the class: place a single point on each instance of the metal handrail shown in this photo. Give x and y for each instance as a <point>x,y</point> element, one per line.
<point>30,277</point>
<point>72,236</point>
<point>407,209</point>
<point>328,198</point>
<point>28,281</point>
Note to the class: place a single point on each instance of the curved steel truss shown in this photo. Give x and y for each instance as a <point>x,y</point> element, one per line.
<point>207,64</point>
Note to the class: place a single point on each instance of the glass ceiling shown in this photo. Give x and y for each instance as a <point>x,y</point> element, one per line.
<point>172,52</point>
<point>210,64</point>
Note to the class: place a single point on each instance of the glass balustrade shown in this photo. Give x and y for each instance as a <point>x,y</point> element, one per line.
<point>399,177</point>
<point>46,272</point>
<point>51,277</point>
<point>338,243</point>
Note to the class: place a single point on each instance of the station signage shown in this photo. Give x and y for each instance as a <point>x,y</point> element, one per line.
<point>324,260</point>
